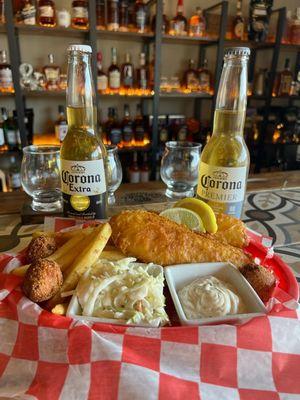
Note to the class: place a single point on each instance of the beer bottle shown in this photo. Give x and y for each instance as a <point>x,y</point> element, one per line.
<point>224,164</point>
<point>82,152</point>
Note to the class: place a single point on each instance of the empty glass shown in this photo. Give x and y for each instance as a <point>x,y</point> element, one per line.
<point>113,172</point>
<point>179,168</point>
<point>40,173</point>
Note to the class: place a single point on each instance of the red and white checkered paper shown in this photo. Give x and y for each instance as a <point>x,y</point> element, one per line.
<point>44,356</point>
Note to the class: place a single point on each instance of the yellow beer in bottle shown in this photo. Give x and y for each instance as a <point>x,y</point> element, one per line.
<point>82,152</point>
<point>224,165</point>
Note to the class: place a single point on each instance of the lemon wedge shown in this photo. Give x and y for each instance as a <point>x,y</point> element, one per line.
<point>185,217</point>
<point>203,210</point>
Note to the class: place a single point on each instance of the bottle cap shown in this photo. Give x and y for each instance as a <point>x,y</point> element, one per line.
<point>237,51</point>
<point>80,47</point>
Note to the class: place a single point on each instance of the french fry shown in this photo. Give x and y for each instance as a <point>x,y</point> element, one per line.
<point>87,258</point>
<point>111,253</point>
<point>60,309</point>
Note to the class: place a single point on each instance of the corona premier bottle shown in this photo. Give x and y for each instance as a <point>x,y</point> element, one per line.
<point>82,152</point>
<point>224,165</point>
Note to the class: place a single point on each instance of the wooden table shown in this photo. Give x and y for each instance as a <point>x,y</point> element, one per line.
<point>12,202</point>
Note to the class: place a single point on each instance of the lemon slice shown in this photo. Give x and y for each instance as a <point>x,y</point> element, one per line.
<point>184,217</point>
<point>204,211</point>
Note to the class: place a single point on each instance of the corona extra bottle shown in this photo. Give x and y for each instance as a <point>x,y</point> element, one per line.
<point>82,152</point>
<point>224,165</point>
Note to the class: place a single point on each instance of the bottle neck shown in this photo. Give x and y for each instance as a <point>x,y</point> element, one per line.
<point>231,101</point>
<point>81,108</point>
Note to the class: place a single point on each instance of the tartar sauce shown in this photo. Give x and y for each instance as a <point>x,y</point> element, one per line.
<point>210,297</point>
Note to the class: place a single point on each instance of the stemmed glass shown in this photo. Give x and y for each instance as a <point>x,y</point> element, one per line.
<point>179,168</point>
<point>40,172</point>
<point>113,172</point>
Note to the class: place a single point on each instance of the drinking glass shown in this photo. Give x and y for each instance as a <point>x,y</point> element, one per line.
<point>113,172</point>
<point>40,172</point>
<point>179,168</point>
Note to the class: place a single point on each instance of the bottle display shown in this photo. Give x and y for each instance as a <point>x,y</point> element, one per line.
<point>142,74</point>
<point>127,73</point>
<point>100,14</point>
<point>124,16</point>
<point>141,16</point>
<point>197,23</point>
<point>113,128</point>
<point>28,12</point>
<point>127,128</point>
<point>224,164</point>
<point>239,22</point>
<point>204,78</point>
<point>114,75</point>
<point>80,14</point>
<point>113,15</point>
<point>46,13</point>
<point>61,124</point>
<point>259,17</point>
<point>52,73</point>
<point>82,153</point>
<point>295,28</point>
<point>6,81</point>
<point>178,25</point>
<point>11,132</point>
<point>102,80</point>
<point>191,79</point>
<point>285,80</point>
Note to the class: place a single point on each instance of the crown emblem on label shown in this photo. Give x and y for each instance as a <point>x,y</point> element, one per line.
<point>78,168</point>
<point>220,175</point>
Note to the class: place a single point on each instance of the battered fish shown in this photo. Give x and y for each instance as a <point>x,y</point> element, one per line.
<point>231,231</point>
<point>152,238</point>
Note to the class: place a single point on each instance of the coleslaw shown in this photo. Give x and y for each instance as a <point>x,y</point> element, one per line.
<point>123,290</point>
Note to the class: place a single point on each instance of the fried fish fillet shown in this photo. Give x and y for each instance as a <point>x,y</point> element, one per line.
<point>152,238</point>
<point>231,231</point>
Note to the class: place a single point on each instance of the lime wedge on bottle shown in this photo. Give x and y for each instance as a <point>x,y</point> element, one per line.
<point>184,217</point>
<point>203,210</point>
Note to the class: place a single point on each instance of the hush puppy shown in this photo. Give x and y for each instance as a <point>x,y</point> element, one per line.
<point>43,280</point>
<point>261,279</point>
<point>41,247</point>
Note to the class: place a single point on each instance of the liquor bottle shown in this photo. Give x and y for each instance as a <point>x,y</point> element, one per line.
<point>204,78</point>
<point>52,73</point>
<point>197,23</point>
<point>141,16</point>
<point>139,127</point>
<point>151,71</point>
<point>14,174</point>
<point>102,80</point>
<point>82,153</point>
<point>11,133</point>
<point>6,82</point>
<point>178,25</point>
<point>2,14</point>
<point>28,12</point>
<point>224,164</point>
<point>131,16</point>
<point>142,74</point>
<point>100,14</point>
<point>61,124</point>
<point>124,16</point>
<point>127,128</point>
<point>113,15</point>
<point>295,28</point>
<point>114,75</point>
<point>80,14</point>
<point>113,128</point>
<point>127,73</point>
<point>239,22</point>
<point>2,137</point>
<point>145,169</point>
<point>285,80</point>
<point>286,36</point>
<point>46,13</point>
<point>191,78</point>
<point>134,170</point>
<point>165,22</point>
<point>259,17</point>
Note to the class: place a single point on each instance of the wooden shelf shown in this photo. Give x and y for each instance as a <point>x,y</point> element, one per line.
<point>125,150</point>
<point>55,31</point>
<point>44,93</point>
<point>135,36</point>
<point>188,40</point>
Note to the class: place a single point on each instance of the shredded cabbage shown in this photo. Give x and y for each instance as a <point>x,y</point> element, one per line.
<point>123,290</point>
